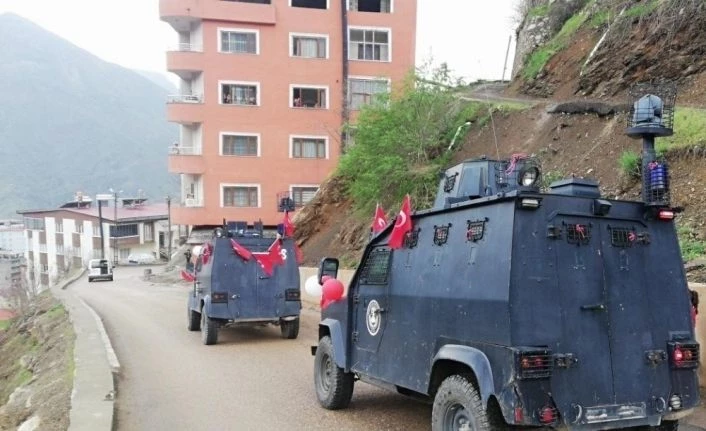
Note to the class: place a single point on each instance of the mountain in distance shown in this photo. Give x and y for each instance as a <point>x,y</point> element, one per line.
<point>160,79</point>
<point>70,122</point>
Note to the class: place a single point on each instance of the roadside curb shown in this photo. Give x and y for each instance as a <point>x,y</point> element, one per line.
<point>93,394</point>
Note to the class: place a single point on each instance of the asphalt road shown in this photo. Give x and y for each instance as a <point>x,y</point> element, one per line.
<point>251,380</point>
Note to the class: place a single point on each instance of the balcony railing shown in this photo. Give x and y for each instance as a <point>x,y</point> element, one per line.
<point>192,203</point>
<point>178,150</point>
<point>186,47</point>
<point>185,98</point>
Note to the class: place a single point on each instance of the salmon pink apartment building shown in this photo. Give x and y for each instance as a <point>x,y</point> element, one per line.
<point>265,88</point>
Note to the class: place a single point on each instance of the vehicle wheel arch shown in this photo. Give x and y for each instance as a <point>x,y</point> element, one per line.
<point>464,360</point>
<point>332,328</point>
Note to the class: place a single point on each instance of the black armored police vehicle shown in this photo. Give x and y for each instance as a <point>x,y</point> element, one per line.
<point>242,277</point>
<point>508,306</point>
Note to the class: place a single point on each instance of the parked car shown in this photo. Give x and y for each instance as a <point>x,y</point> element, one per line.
<point>100,269</point>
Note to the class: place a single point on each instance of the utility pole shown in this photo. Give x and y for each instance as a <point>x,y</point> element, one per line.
<point>100,223</point>
<point>115,225</point>
<point>169,227</point>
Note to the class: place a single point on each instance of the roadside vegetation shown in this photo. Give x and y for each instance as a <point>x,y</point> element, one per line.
<point>402,140</point>
<point>691,246</point>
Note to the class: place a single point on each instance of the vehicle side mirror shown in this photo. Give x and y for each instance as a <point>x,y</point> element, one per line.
<point>328,266</point>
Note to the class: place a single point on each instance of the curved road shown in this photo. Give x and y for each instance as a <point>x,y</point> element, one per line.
<point>251,380</point>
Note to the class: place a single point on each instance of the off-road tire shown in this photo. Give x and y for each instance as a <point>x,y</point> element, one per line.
<point>209,329</point>
<point>289,328</point>
<point>457,403</point>
<point>334,387</point>
<point>193,319</point>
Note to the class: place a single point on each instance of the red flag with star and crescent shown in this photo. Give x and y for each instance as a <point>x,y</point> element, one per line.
<point>379,221</point>
<point>288,225</point>
<point>403,224</point>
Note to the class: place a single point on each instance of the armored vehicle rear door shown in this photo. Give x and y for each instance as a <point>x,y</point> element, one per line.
<point>583,304</point>
<point>607,317</point>
<point>370,298</point>
<point>625,249</point>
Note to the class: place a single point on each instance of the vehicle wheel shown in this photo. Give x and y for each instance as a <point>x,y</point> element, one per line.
<point>209,329</point>
<point>334,387</point>
<point>458,407</point>
<point>289,328</point>
<point>90,280</point>
<point>193,319</point>
<point>111,278</point>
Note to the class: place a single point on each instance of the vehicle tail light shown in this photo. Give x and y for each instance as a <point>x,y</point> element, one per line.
<point>548,415</point>
<point>683,355</point>
<point>217,297</point>
<point>535,364</point>
<point>665,215</point>
<point>519,415</point>
<point>292,295</point>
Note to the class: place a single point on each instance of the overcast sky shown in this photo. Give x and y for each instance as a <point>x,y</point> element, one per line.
<point>470,35</point>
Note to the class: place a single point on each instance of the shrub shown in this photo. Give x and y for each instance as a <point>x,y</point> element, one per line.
<point>630,164</point>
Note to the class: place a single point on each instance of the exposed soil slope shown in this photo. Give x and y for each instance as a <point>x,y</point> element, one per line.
<point>36,368</point>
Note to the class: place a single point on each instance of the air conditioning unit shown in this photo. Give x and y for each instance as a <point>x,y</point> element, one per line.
<point>190,202</point>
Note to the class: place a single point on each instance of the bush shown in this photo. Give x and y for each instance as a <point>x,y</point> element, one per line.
<point>401,141</point>
<point>630,164</point>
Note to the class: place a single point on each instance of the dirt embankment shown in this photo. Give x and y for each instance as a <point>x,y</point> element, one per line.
<point>37,368</point>
<point>617,44</point>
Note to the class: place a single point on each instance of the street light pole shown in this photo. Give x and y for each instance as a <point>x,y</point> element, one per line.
<point>169,227</point>
<point>100,223</point>
<point>115,225</point>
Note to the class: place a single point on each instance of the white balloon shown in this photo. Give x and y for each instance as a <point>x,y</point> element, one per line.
<point>312,286</point>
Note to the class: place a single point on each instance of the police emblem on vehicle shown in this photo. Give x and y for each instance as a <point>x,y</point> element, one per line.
<point>374,317</point>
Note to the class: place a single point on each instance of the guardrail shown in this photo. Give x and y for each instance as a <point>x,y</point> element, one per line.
<point>186,47</point>
<point>178,150</point>
<point>185,98</point>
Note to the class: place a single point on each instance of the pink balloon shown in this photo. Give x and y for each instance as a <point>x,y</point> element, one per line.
<point>325,278</point>
<point>332,290</point>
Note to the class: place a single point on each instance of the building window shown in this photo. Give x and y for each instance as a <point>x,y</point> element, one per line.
<point>96,229</point>
<point>79,226</point>
<point>309,45</point>
<point>238,41</point>
<point>369,44</point>
<point>240,93</point>
<point>149,232</point>
<point>309,147</point>
<point>33,223</point>
<point>312,4</point>
<point>303,194</point>
<point>60,226</point>
<point>308,97</point>
<point>380,6</point>
<point>241,196</point>
<point>362,91</point>
<point>124,253</point>
<point>240,145</point>
<point>124,230</point>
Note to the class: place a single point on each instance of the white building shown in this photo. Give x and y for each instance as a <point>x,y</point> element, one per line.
<point>12,236</point>
<point>61,239</point>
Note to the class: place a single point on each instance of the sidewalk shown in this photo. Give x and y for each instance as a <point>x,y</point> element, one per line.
<point>92,399</point>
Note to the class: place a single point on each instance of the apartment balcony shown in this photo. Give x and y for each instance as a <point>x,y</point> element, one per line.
<point>181,14</point>
<point>185,60</point>
<point>185,108</point>
<point>192,212</point>
<point>186,160</point>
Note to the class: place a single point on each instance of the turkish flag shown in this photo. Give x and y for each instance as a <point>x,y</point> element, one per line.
<point>206,253</point>
<point>288,225</point>
<point>379,221</point>
<point>403,224</point>
<point>241,251</point>
<point>277,256</point>
<point>265,262</point>
<point>300,254</point>
<point>187,276</point>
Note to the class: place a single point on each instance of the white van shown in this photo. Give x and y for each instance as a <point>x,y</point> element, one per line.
<point>100,269</point>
